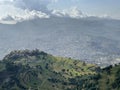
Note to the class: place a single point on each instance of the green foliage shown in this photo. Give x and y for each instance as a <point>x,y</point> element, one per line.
<point>37,70</point>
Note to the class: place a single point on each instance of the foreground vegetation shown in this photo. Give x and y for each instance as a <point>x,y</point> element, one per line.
<point>37,70</point>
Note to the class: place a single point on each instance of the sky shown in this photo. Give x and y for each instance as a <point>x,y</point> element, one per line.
<point>20,10</point>
<point>93,7</point>
<point>86,38</point>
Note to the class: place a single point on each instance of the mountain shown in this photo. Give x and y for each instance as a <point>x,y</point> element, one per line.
<point>37,70</point>
<point>93,40</point>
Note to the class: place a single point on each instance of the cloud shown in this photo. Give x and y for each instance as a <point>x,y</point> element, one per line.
<point>21,10</point>
<point>73,12</point>
<point>22,15</point>
<point>39,5</point>
<point>7,20</point>
<point>76,13</point>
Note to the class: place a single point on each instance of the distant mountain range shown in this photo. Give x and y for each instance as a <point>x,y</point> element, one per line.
<point>37,70</point>
<point>90,39</point>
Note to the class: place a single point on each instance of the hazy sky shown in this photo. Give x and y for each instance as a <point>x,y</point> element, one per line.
<point>19,10</point>
<point>94,7</point>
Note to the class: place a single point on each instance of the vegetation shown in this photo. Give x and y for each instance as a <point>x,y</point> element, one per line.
<point>37,70</point>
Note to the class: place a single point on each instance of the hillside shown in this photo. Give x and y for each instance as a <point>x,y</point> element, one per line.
<point>37,70</point>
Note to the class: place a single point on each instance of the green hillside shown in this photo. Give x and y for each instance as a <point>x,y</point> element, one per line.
<point>37,70</point>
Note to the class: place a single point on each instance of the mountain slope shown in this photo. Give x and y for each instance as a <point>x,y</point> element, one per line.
<point>37,70</point>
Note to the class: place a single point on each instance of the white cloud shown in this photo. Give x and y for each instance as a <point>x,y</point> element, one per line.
<point>28,15</point>
<point>8,22</point>
<point>73,12</point>
<point>19,10</point>
<point>10,12</point>
<point>60,13</point>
